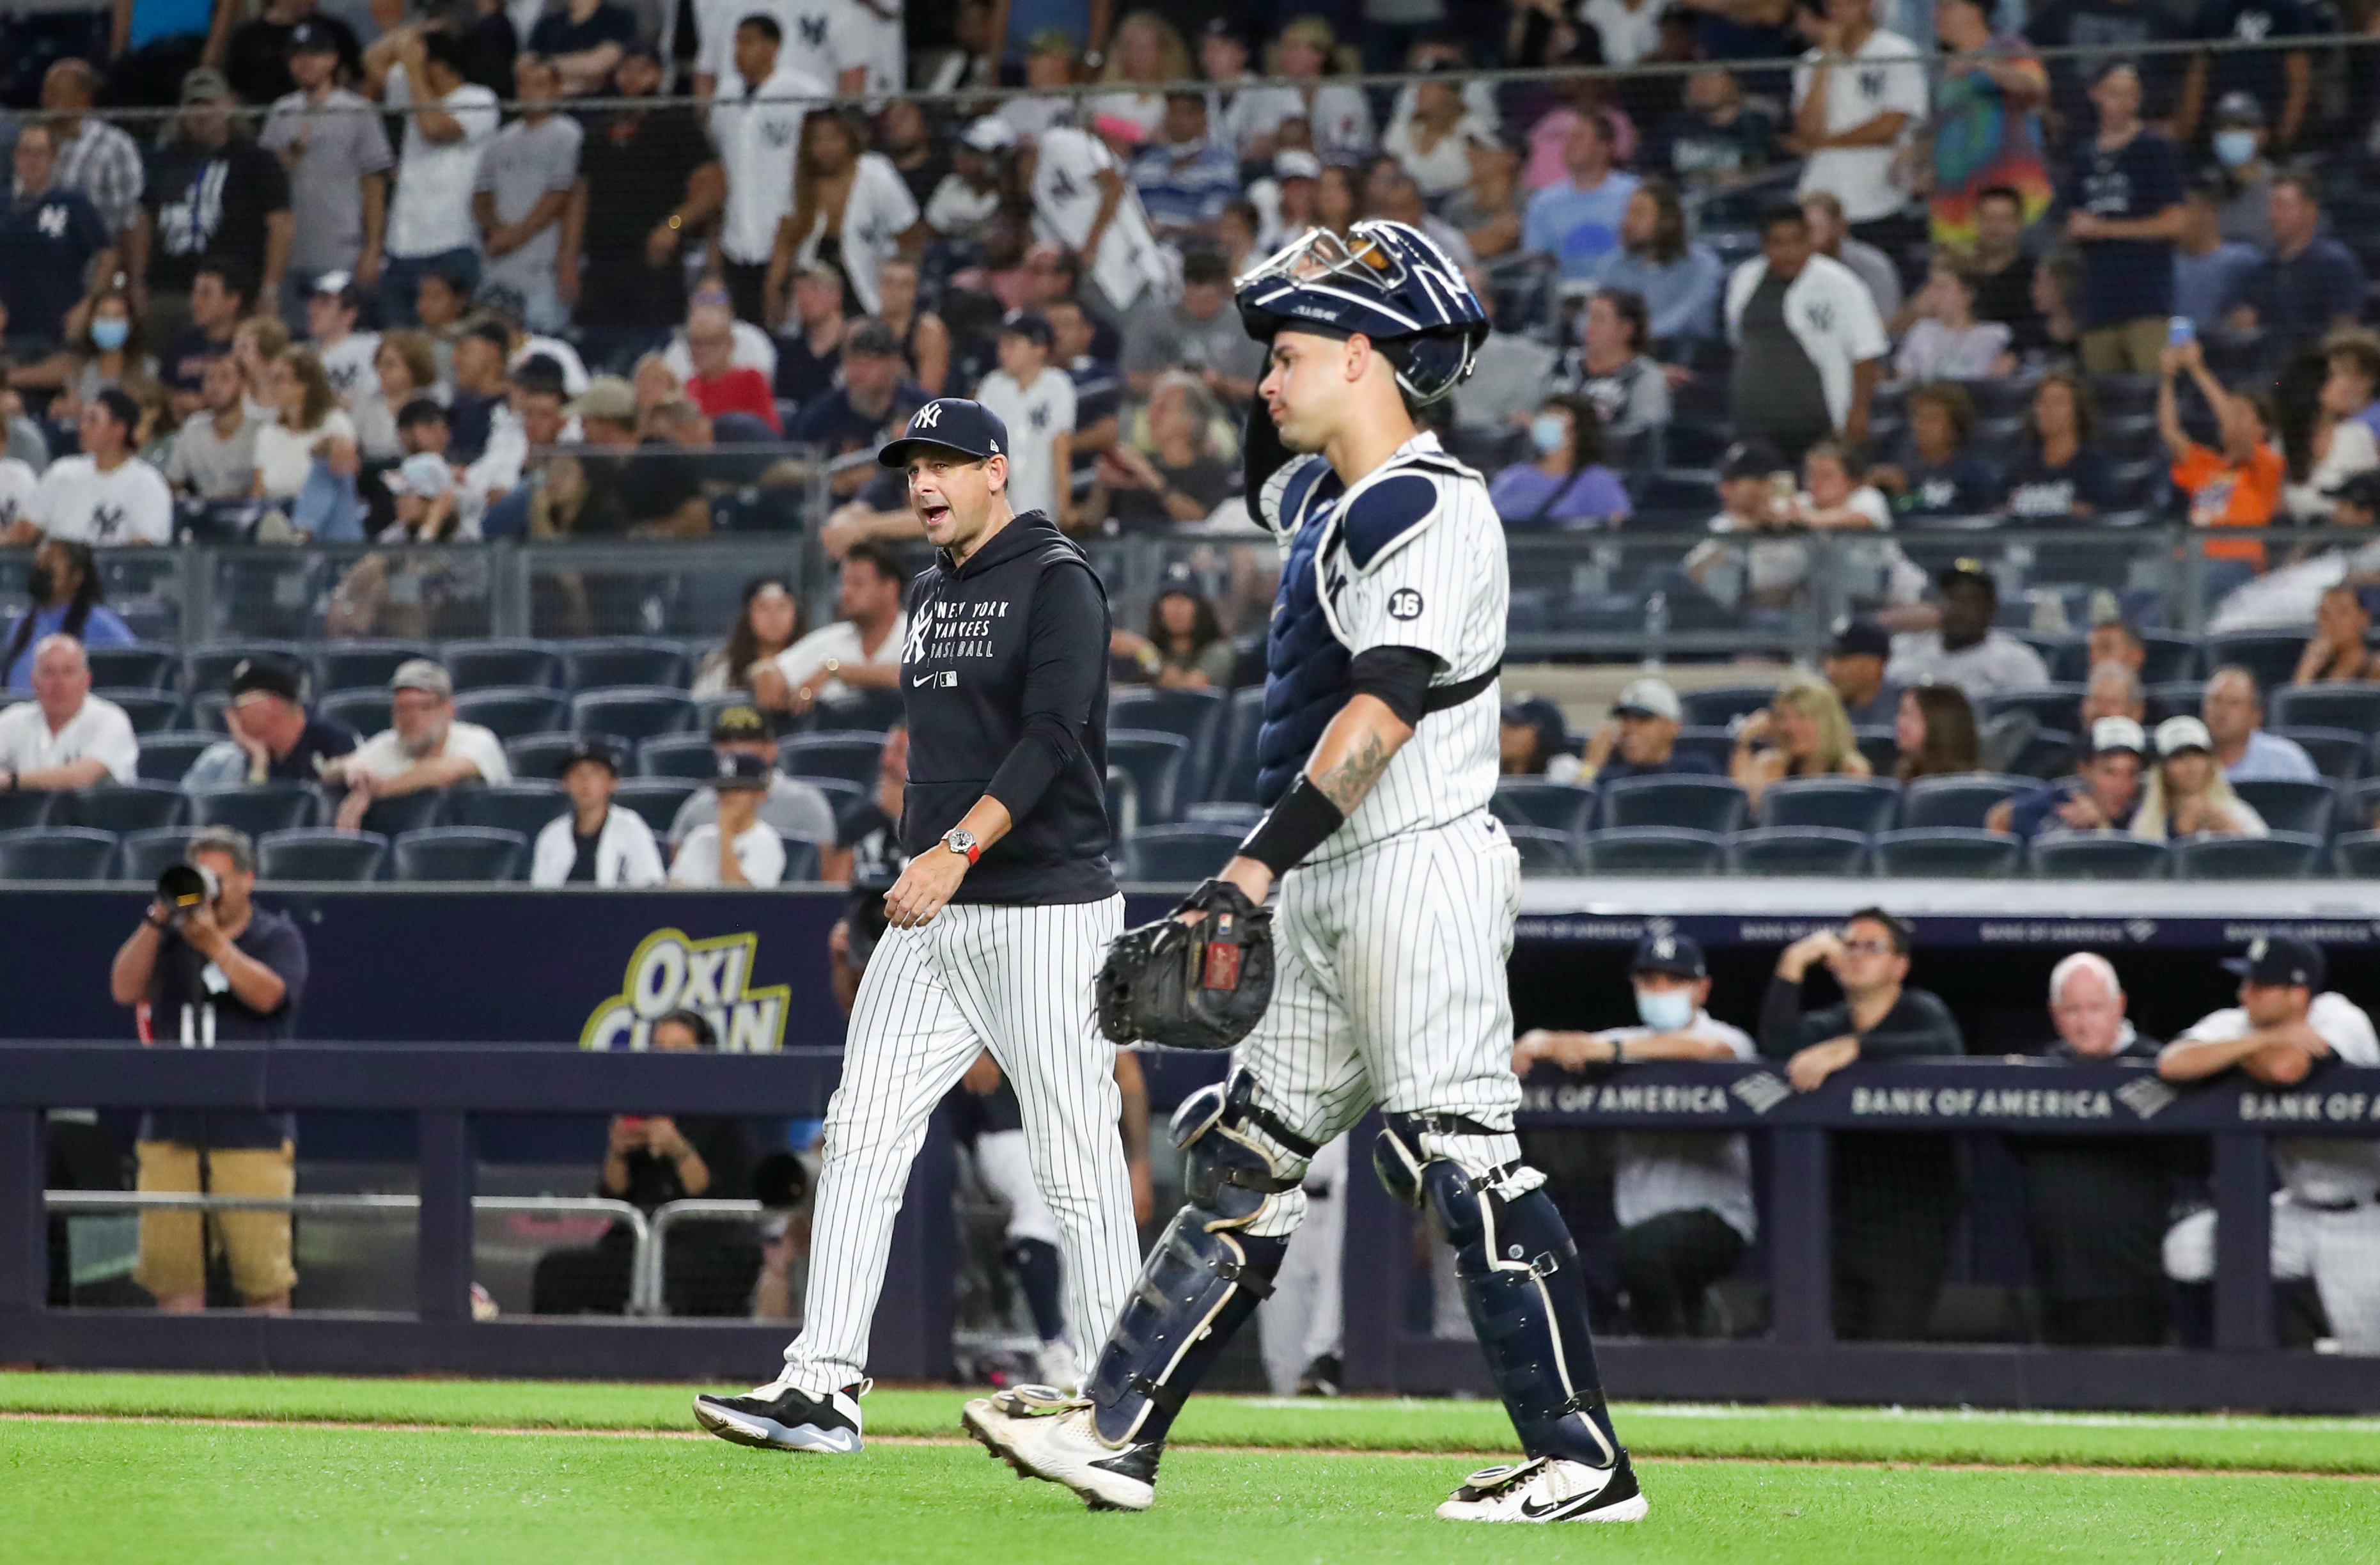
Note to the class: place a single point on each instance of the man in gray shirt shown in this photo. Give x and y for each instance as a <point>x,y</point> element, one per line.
<point>1966,652</point>
<point>791,807</point>
<point>214,451</point>
<point>522,194</point>
<point>335,149</point>
<point>1201,334</point>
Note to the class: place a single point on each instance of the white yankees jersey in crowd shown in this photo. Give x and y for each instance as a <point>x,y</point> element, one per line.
<point>1034,415</point>
<point>1066,197</point>
<point>817,38</point>
<point>129,503</point>
<point>880,210</point>
<point>757,130</point>
<point>1884,75</point>
<point>18,485</point>
<point>347,364</point>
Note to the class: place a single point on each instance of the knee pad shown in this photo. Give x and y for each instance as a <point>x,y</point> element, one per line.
<point>1238,1159</point>
<point>1198,1287</point>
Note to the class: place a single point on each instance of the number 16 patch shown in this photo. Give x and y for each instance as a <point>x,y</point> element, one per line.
<point>1405,603</point>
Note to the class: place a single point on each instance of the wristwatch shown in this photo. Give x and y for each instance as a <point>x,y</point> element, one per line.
<point>958,838</point>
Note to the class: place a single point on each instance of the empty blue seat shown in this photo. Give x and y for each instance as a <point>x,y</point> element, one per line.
<point>488,665</point>
<point>24,807</point>
<point>143,665</point>
<point>208,668</point>
<point>1543,850</point>
<point>1696,804</point>
<point>2336,753</point>
<point>360,665</point>
<point>1863,805</point>
<point>2284,856</point>
<point>657,799</point>
<point>142,856</point>
<point>801,859</point>
<point>125,806</point>
<point>56,853</point>
<point>151,711</point>
<point>632,711</point>
<point>1224,813</point>
<point>523,807</point>
<point>840,793</point>
<point>1671,495</point>
<point>366,711</point>
<point>858,712</point>
<point>1651,850</point>
<point>1179,851</point>
<point>1156,763</point>
<point>461,853</point>
<point>2097,856</point>
<point>853,757</point>
<point>206,712</point>
<point>1714,744</point>
<point>1233,778</point>
<point>416,811</point>
<point>2271,656</point>
<point>1958,853</point>
<point>267,807</point>
<point>1797,850</point>
<point>1532,801</point>
<point>2050,753</point>
<point>511,711</point>
<point>165,757</point>
<point>1196,715</point>
<point>627,660</point>
<point>2356,855</point>
<point>1879,746</point>
<point>320,855</point>
<point>678,755</point>
<point>1722,703</point>
<point>2053,706</point>
<point>1958,801</point>
<point>540,754</point>
<point>2181,697</point>
<point>2352,706</point>
<point>1123,803</point>
<point>2291,805</point>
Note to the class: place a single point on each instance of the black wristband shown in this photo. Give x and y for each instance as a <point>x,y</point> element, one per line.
<point>1294,828</point>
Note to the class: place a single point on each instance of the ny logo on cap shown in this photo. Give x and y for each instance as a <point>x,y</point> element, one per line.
<point>928,417</point>
<point>1665,948</point>
<point>2257,949</point>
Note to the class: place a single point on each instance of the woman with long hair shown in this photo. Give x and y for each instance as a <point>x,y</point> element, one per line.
<point>66,599</point>
<point>769,621</point>
<point>1567,486</point>
<point>1338,203</point>
<point>105,335</point>
<point>1616,372</point>
<point>1145,53</point>
<point>256,343</point>
<point>1185,647</point>
<point>1934,732</point>
<point>404,366</point>
<point>852,213</point>
<point>306,422</point>
<point>2187,795</point>
<point>1804,733</point>
<point>1432,143</point>
<point>2061,475</point>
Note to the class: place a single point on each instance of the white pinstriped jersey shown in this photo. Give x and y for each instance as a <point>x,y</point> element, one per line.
<point>1442,585</point>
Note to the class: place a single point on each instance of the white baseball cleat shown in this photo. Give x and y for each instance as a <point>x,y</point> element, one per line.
<point>780,1417</point>
<point>1045,1433</point>
<point>1548,1488</point>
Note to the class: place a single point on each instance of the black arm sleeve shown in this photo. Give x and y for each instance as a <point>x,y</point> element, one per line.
<point>1262,453</point>
<point>1786,1029</point>
<point>1068,634</point>
<point>1399,677</point>
<point>1918,1025</point>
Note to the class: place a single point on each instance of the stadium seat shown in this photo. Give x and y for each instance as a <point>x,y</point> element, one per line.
<point>143,856</point>
<point>488,665</point>
<point>56,853</point>
<point>2271,656</point>
<point>208,668</point>
<point>678,755</point>
<point>461,853</point>
<point>320,855</point>
<point>627,660</point>
<point>523,807</point>
<point>206,713</point>
<point>2052,706</point>
<point>1861,805</point>
<point>121,807</point>
<point>2050,753</point>
<point>539,756</point>
<point>1123,803</point>
<point>2352,706</point>
<point>1961,801</point>
<point>363,665</point>
<point>366,711</point>
<point>1722,703</point>
<point>1565,808</point>
<point>856,711</point>
<point>1197,715</point>
<point>801,858</point>
<point>840,795</point>
<point>1651,850</point>
<point>1224,813</point>
<point>166,757</point>
<point>632,711</point>
<point>1696,804</point>
<point>1157,762</point>
<point>2337,753</point>
<point>1673,496</point>
<point>1233,781</point>
<point>2291,805</point>
<point>23,808</point>
<point>2356,855</point>
<point>151,711</point>
<point>1543,850</point>
<point>1797,850</point>
<point>2097,856</point>
<point>143,665</point>
<point>657,799</point>
<point>1179,852</point>
<point>1879,746</point>
<point>1714,744</point>
<point>416,811</point>
<point>511,711</point>
<point>1956,853</point>
<point>2284,856</point>
<point>852,757</point>
<point>268,806</point>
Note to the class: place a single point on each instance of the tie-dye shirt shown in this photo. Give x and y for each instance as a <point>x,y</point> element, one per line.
<point>1980,140</point>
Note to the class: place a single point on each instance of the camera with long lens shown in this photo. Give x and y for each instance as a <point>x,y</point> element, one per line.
<point>183,888</point>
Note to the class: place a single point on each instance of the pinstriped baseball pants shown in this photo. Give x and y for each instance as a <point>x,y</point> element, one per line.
<point>1017,981</point>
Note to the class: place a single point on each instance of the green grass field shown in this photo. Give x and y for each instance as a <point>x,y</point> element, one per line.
<point>209,1468</point>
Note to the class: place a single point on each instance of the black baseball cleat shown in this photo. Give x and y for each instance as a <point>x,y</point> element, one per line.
<point>781,1417</point>
<point>1548,1488</point>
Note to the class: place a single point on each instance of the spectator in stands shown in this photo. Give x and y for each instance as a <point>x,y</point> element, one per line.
<point>2282,78</point>
<point>922,337</point>
<point>2115,641</point>
<point>1854,666</point>
<point>481,387</point>
<point>1983,131</point>
<point>1568,486</point>
<point>107,496</point>
<point>2057,296</point>
<point>214,451</point>
<point>255,343</point>
<point>581,41</point>
<point>809,347</point>
<point>1184,178</point>
<point>1099,389</point>
<point>1185,647</point>
<point>2207,268</point>
<point>404,367</point>
<point>99,159</point>
<point>1801,733</point>
<point>1810,344</point>
<point>647,181</point>
<point>335,150</point>
<point>2003,268</point>
<point>866,853</point>
<point>595,843</point>
<point>1683,1201</point>
<point>64,596</point>
<point>852,211</point>
<point>2186,795</point>
<point>1338,117</point>
<point>2337,649</point>
<point>1390,194</point>
<point>1432,142</point>
<point>429,223</point>
<point>1677,280</point>
<point>2234,712</point>
<point>650,1160</point>
<point>273,738</point>
<point>961,207</point>
<point>2123,196</point>
<point>1965,649</point>
<point>64,738</point>
<point>767,622</point>
<point>871,406</point>
<point>1934,732</point>
<point>103,349</point>
<point>1717,141</point>
<point>521,195</point>
<point>1577,220</point>
<point>2237,486</point>
<point>1640,738</point>
<point>2103,794</point>
<point>333,308</point>
<point>1615,374</point>
<point>442,300</point>
<point>1083,203</point>
<point>2335,444</point>
<point>1531,741</point>
<point>1201,334</point>
<point>54,248</point>
<point>2307,283</point>
<point>2353,384</point>
<point>2285,1025</point>
<point>261,54</point>
<point>1486,211</point>
<point>1048,60</point>
<point>1895,1198</point>
<point>219,970</point>
<point>2096,1207</point>
<point>1037,404</point>
<point>1936,473</point>
<point>861,651</point>
<point>1857,96</point>
<point>788,806</point>
<point>909,144</point>
<point>2112,690</point>
<point>1947,342</point>
<point>2059,474</point>
<point>759,856</point>
<point>421,426</point>
<point>308,427</point>
<point>722,387</point>
<point>2241,186</point>
<point>1145,53</point>
<point>760,129</point>
<point>211,191</point>
<point>2173,82</point>
<point>1756,489</point>
<point>425,745</point>
<point>1174,470</point>
<point>1831,232</point>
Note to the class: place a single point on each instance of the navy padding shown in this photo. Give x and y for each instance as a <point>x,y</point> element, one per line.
<point>1385,513</point>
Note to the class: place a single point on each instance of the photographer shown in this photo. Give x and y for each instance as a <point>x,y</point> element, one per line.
<point>212,967</point>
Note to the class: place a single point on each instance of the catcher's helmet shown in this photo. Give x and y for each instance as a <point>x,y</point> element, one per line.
<point>1386,280</point>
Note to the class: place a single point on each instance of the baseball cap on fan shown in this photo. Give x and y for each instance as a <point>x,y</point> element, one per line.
<point>949,423</point>
<point>1678,956</point>
<point>1648,697</point>
<point>2280,959</point>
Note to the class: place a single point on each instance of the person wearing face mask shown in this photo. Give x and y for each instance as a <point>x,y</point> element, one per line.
<point>63,595</point>
<point>1683,1199</point>
<point>2244,171</point>
<point>1567,486</point>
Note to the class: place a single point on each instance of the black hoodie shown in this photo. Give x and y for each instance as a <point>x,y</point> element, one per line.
<point>1004,675</point>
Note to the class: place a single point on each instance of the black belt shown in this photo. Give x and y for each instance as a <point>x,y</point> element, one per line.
<point>1439,698</point>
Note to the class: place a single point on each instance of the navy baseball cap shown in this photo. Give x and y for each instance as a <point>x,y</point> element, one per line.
<point>1862,638</point>
<point>952,423</point>
<point>737,769</point>
<point>1679,955</point>
<point>592,747</point>
<point>2280,959</point>
<point>312,38</point>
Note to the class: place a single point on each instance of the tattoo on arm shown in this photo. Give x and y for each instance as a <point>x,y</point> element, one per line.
<point>1346,783</point>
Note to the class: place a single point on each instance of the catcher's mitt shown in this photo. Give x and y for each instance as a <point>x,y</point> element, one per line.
<point>1190,986</point>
